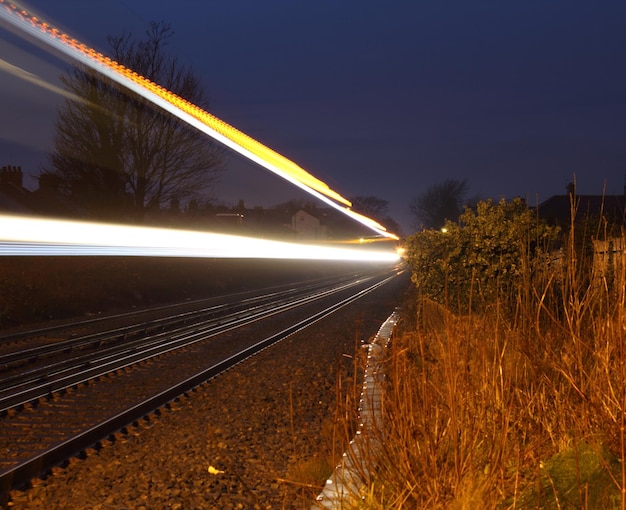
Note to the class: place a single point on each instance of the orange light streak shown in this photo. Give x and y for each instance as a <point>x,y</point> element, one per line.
<point>187,111</point>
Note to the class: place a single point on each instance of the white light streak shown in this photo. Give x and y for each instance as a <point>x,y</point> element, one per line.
<point>20,235</point>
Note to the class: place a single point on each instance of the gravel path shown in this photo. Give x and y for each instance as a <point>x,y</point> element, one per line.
<point>234,443</point>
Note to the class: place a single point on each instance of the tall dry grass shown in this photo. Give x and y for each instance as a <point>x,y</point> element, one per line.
<point>522,406</point>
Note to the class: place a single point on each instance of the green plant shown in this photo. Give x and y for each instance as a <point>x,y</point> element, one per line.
<point>473,263</point>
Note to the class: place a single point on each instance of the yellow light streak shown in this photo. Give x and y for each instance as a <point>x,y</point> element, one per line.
<point>22,235</point>
<point>186,111</point>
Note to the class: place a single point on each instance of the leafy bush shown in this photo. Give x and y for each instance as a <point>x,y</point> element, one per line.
<point>466,265</point>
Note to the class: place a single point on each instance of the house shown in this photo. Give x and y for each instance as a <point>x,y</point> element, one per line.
<point>292,222</point>
<point>557,209</point>
<point>16,199</point>
<point>308,227</point>
<point>609,255</point>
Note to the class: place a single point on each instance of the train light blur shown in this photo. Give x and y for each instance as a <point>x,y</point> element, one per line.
<point>22,235</point>
<point>190,113</point>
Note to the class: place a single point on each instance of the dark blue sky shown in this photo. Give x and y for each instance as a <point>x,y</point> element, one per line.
<point>384,98</point>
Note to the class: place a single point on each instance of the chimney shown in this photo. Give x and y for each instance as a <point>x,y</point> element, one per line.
<point>11,175</point>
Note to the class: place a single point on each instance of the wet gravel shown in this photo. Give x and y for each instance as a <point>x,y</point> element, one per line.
<point>233,443</point>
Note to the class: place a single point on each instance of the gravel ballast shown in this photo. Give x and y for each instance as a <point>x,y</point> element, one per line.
<point>232,443</point>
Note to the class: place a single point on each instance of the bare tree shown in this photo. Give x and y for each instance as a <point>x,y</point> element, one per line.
<point>439,203</point>
<point>371,206</point>
<point>118,155</point>
<point>377,209</point>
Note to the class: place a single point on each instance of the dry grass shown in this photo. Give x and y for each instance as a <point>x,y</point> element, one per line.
<point>520,407</point>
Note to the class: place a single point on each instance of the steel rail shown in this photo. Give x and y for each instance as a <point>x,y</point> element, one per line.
<point>69,326</point>
<point>46,380</point>
<point>124,332</point>
<point>38,464</point>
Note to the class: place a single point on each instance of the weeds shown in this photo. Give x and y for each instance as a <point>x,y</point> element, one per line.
<point>518,405</point>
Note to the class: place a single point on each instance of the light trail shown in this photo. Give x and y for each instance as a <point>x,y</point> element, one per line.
<point>36,80</point>
<point>186,111</point>
<point>20,235</point>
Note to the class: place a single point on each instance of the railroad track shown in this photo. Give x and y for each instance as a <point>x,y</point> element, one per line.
<point>26,338</point>
<point>62,407</point>
<point>36,371</point>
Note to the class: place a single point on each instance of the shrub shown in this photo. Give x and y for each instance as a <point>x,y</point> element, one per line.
<point>479,260</point>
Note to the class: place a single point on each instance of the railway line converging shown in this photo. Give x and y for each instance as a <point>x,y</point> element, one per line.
<point>69,388</point>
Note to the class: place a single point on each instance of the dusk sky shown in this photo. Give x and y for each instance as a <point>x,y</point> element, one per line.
<point>374,98</point>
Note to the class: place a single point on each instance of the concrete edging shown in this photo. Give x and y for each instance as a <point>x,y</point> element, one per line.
<point>345,485</point>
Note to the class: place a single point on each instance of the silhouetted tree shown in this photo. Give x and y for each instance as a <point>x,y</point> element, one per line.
<point>295,204</point>
<point>116,154</point>
<point>377,209</point>
<point>374,207</point>
<point>439,203</point>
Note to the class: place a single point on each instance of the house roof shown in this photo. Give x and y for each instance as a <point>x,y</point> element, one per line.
<point>557,209</point>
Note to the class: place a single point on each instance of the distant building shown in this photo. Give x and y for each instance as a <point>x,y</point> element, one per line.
<point>289,221</point>
<point>608,251</point>
<point>557,209</point>
<point>307,226</point>
<point>14,198</point>
<point>46,200</point>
